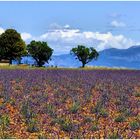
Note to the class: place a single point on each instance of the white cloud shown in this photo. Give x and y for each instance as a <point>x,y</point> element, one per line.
<point>115,23</point>
<point>26,36</point>
<point>67,26</point>
<point>62,40</point>
<point>1,30</point>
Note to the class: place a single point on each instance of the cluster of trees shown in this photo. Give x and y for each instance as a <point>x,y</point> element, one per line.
<point>12,47</point>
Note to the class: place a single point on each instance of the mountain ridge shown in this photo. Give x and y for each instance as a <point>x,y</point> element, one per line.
<point>128,58</point>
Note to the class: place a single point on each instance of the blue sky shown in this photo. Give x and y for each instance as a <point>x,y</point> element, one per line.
<point>66,24</point>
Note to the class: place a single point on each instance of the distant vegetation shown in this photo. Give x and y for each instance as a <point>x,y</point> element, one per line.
<point>12,47</point>
<point>84,54</point>
<point>40,51</point>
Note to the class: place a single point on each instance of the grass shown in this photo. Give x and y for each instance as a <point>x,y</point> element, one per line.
<point>22,66</point>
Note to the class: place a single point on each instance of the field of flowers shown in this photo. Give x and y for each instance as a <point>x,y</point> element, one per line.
<point>69,103</point>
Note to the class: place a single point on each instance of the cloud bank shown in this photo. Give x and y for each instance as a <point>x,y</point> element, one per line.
<point>63,38</point>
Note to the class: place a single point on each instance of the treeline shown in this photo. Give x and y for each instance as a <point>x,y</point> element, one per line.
<point>12,47</point>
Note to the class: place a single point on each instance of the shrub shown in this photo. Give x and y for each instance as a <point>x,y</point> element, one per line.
<point>4,123</point>
<point>75,107</point>
<point>120,118</point>
<point>50,109</point>
<point>94,127</point>
<point>103,113</point>
<point>57,120</point>
<point>96,108</point>
<point>87,120</point>
<point>128,112</point>
<point>32,126</point>
<point>134,125</point>
<point>66,125</point>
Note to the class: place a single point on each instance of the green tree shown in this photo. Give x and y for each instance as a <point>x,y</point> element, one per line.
<point>40,51</point>
<point>84,54</point>
<point>12,47</point>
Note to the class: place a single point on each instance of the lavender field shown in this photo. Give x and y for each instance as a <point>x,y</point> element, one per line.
<point>63,103</point>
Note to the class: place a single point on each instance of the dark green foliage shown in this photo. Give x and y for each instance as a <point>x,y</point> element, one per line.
<point>134,125</point>
<point>66,125</point>
<point>12,47</point>
<point>114,136</point>
<point>85,55</point>
<point>50,109</point>
<point>87,120</point>
<point>4,123</point>
<point>40,51</point>
<point>120,118</point>
<point>75,107</point>
<point>94,127</point>
<point>32,125</point>
<point>97,108</point>
<point>103,113</point>
<point>57,120</point>
<point>128,112</point>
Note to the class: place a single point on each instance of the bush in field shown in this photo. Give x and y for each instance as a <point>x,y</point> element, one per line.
<point>32,125</point>
<point>103,113</point>
<point>75,107</point>
<point>97,108</point>
<point>94,127</point>
<point>4,123</point>
<point>66,125</point>
<point>134,125</point>
<point>40,51</point>
<point>50,109</point>
<point>120,118</point>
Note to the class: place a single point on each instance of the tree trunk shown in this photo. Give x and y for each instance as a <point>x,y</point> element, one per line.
<point>83,65</point>
<point>39,64</point>
<point>10,62</point>
<point>19,61</point>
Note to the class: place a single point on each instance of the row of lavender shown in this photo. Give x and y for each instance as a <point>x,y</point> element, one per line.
<point>75,102</point>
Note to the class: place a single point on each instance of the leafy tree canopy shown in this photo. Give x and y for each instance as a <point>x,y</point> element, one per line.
<point>12,47</point>
<point>84,54</point>
<point>40,51</point>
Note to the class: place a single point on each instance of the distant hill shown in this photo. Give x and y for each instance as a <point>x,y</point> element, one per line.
<point>128,58</point>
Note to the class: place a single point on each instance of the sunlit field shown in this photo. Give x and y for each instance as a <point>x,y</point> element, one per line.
<point>69,103</point>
